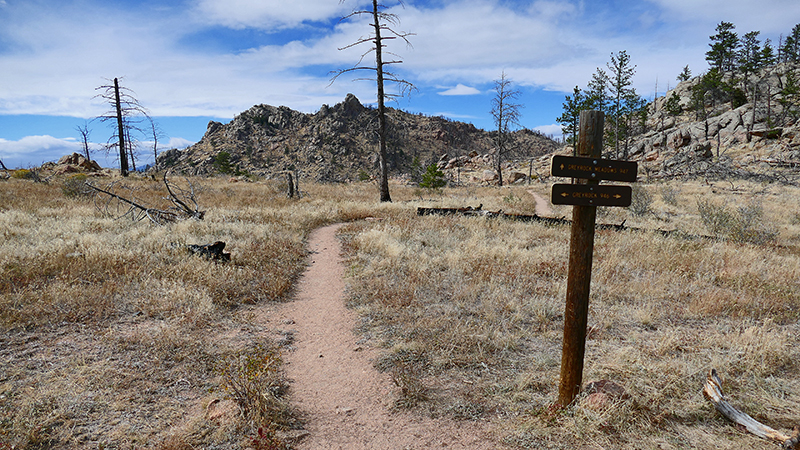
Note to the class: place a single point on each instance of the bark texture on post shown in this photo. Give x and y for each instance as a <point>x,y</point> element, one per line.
<point>123,154</point>
<point>581,247</point>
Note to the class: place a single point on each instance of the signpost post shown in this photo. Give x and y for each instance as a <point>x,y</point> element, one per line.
<point>586,194</point>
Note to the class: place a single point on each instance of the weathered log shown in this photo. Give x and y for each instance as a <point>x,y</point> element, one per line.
<point>469,211</point>
<point>211,251</point>
<point>713,392</point>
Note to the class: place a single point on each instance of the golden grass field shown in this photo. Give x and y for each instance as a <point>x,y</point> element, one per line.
<point>112,336</point>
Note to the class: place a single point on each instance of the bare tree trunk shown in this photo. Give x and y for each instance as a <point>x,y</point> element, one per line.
<point>290,182</point>
<point>384,182</point>
<point>3,166</point>
<point>123,156</point>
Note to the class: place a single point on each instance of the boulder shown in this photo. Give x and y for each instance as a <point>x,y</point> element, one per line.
<point>516,176</point>
<point>489,176</point>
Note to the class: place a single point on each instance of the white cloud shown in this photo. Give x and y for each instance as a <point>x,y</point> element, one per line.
<point>36,150</point>
<point>550,130</point>
<point>178,142</point>
<point>767,16</point>
<point>460,89</point>
<point>268,14</point>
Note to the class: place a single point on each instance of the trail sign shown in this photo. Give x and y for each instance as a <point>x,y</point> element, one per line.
<point>591,195</point>
<point>593,168</point>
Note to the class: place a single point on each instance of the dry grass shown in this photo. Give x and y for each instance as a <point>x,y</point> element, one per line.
<point>112,335</point>
<point>478,304</point>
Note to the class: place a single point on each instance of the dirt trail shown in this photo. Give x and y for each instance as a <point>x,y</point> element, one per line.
<point>542,206</point>
<point>345,401</point>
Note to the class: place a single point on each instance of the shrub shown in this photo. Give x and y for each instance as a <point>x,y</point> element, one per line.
<point>252,378</point>
<point>75,186</point>
<point>641,199</point>
<point>23,174</point>
<point>669,193</point>
<point>743,225</point>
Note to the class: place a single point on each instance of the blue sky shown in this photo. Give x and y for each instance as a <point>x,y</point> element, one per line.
<point>192,61</point>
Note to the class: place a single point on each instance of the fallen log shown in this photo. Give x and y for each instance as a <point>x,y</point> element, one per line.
<point>713,392</point>
<point>470,211</point>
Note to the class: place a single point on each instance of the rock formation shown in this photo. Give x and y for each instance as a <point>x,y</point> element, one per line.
<point>337,143</point>
<point>751,139</point>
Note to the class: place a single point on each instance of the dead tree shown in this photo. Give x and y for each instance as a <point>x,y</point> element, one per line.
<point>156,134</point>
<point>84,132</point>
<point>110,202</point>
<point>505,114</point>
<point>712,390</point>
<point>382,23</point>
<point>127,114</point>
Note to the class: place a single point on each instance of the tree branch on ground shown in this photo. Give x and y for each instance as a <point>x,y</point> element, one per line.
<point>712,390</point>
<point>110,202</point>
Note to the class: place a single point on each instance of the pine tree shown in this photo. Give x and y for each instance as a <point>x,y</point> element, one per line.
<point>570,118</point>
<point>724,46</point>
<point>621,79</point>
<point>685,74</point>
<point>790,51</point>
<point>597,94</point>
<point>381,26</point>
<point>768,57</point>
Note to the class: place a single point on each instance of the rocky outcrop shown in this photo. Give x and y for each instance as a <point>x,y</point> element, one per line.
<point>76,163</point>
<point>721,137</point>
<point>338,143</point>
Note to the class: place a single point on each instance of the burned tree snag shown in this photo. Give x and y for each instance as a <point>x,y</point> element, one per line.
<point>213,252</point>
<point>123,157</point>
<point>290,182</point>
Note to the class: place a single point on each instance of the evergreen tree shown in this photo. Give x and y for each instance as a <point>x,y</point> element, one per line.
<point>768,57</point>
<point>673,105</point>
<point>597,94</point>
<point>750,53</point>
<point>433,178</point>
<point>620,87</point>
<point>685,74</point>
<point>790,51</point>
<point>570,118</point>
<point>724,46</point>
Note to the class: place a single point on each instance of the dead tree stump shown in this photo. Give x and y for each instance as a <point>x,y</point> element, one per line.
<point>211,252</point>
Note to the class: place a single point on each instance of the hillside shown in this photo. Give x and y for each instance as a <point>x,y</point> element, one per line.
<point>750,131</point>
<point>337,143</point>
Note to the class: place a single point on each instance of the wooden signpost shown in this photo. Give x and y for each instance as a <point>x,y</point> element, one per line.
<point>586,194</point>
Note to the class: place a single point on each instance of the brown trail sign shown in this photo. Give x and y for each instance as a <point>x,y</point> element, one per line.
<point>593,168</point>
<point>586,195</point>
<point>591,195</point>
